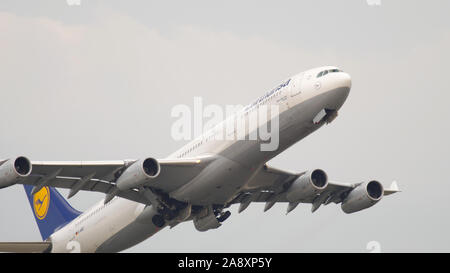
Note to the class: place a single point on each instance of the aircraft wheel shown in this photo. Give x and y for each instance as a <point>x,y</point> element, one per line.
<point>224,216</point>
<point>158,220</point>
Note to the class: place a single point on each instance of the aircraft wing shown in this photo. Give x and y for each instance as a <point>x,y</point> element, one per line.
<point>101,176</point>
<point>270,185</point>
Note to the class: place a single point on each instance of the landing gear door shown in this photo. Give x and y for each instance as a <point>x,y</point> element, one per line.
<point>296,87</point>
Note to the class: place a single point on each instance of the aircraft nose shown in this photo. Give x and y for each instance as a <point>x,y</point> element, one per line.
<point>339,90</point>
<point>345,80</point>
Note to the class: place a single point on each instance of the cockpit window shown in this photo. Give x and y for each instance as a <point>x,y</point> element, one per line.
<point>323,73</point>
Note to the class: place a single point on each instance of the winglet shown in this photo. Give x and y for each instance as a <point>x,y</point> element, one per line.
<point>393,188</point>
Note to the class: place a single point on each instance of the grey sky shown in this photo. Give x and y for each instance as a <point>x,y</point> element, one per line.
<point>98,81</point>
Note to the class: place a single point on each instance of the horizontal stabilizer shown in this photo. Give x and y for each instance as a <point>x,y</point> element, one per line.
<point>26,247</point>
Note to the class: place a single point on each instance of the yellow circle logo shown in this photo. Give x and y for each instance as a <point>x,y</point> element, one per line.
<point>41,202</point>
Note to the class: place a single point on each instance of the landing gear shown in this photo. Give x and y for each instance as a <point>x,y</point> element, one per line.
<point>224,216</point>
<point>174,211</point>
<point>158,220</point>
<point>220,214</point>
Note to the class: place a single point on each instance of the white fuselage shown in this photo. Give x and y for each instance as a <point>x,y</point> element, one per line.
<point>118,224</point>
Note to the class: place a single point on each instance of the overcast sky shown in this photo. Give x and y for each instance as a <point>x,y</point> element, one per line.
<point>97,81</point>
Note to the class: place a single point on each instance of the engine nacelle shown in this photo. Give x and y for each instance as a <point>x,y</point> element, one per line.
<point>14,169</point>
<point>307,185</point>
<point>138,173</point>
<point>362,197</point>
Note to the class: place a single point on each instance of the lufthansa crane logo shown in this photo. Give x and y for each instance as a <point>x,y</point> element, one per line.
<point>41,202</point>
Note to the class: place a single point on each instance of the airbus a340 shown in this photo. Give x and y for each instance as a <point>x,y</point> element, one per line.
<point>198,183</point>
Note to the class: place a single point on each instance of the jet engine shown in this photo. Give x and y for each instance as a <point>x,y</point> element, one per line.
<point>307,185</point>
<point>138,173</point>
<point>363,196</point>
<point>12,170</point>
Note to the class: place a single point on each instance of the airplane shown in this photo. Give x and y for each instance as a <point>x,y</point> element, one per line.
<point>198,183</point>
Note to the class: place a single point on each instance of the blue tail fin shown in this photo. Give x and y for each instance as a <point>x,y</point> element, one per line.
<point>50,210</point>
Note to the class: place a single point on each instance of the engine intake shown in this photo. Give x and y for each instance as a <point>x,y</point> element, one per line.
<point>14,169</point>
<point>374,190</point>
<point>309,184</point>
<point>138,173</point>
<point>362,197</point>
<point>151,167</point>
